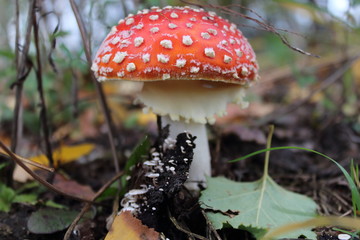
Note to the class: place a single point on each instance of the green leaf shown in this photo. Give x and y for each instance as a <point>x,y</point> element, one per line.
<point>26,198</point>
<point>138,153</point>
<point>355,194</point>
<point>3,165</point>
<point>255,206</point>
<point>7,196</point>
<point>51,220</point>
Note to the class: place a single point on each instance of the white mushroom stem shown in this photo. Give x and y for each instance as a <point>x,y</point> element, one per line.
<point>200,166</point>
<point>187,106</point>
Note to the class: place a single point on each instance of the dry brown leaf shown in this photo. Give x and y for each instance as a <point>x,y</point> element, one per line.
<point>73,188</point>
<point>126,227</point>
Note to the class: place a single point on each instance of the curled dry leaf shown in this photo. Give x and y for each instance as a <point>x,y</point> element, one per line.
<point>126,226</point>
<point>73,188</point>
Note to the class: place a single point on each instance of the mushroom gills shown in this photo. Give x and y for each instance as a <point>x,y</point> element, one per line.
<point>196,101</point>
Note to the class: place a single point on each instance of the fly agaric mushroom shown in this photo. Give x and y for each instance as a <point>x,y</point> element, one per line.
<point>192,63</point>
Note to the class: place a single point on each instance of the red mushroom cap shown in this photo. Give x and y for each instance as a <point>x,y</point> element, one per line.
<point>177,43</point>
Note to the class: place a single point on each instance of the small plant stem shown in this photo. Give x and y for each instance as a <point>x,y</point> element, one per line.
<point>210,226</point>
<point>180,228</point>
<point>266,171</point>
<point>30,162</point>
<point>43,110</point>
<point>21,73</point>
<point>88,205</point>
<point>267,154</point>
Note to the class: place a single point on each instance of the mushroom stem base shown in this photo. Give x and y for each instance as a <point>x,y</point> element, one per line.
<point>201,164</point>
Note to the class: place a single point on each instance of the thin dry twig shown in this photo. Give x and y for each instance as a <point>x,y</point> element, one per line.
<point>43,110</point>
<point>210,226</point>
<point>262,25</point>
<point>28,161</point>
<point>180,228</point>
<point>99,90</point>
<point>23,68</point>
<point>37,177</point>
<point>88,205</point>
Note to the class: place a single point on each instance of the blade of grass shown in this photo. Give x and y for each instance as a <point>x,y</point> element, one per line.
<point>345,222</point>
<point>355,194</point>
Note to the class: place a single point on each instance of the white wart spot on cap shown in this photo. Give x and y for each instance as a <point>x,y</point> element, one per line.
<point>205,35</point>
<point>146,57</point>
<point>163,58</point>
<point>129,21</point>
<point>94,67</point>
<point>180,63</point>
<point>113,30</point>
<point>105,70</point>
<point>174,15</point>
<point>194,69</point>
<point>227,59</point>
<point>186,40</point>
<point>154,30</point>
<point>233,28</point>
<point>131,67</point>
<point>172,25</point>
<point>115,40</point>
<point>125,43</point>
<point>139,26</point>
<point>166,43</point>
<point>212,31</point>
<point>138,41</point>
<point>121,74</point>
<point>192,19</point>
<point>209,52</point>
<point>226,28</point>
<point>106,58</point>
<point>119,57</point>
<point>189,25</point>
<point>232,41</point>
<point>238,52</point>
<point>212,14</point>
<point>165,76</point>
<point>224,42</point>
<point>244,71</point>
<point>154,17</point>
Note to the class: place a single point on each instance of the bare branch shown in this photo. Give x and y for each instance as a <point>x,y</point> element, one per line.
<point>43,110</point>
<point>99,90</point>
<point>23,68</point>
<point>88,205</point>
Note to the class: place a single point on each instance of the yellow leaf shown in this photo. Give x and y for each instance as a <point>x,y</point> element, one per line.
<point>126,226</point>
<point>145,118</point>
<point>65,154</point>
